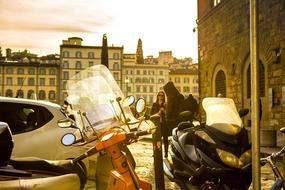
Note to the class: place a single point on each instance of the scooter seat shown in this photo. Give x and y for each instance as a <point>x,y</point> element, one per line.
<point>187,144</point>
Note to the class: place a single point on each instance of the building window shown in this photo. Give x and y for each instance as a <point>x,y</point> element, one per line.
<point>9,93</point>
<point>144,72</point>
<point>65,75</point>
<point>90,55</point>
<point>91,63</point>
<point>31,71</point>
<point>9,81</point>
<point>151,89</point>
<point>20,94</point>
<point>51,95</point>
<point>78,54</point>
<point>9,70</point>
<point>65,54</point>
<point>138,72</point>
<point>31,94</point>
<point>221,83</point>
<point>138,80</point>
<point>160,81</point>
<point>20,71</point>
<point>116,66</point>
<point>42,95</point>
<point>65,65</point>
<point>186,89</point>
<point>144,89</point>
<point>20,81</point>
<point>42,81</point>
<point>78,65</point>
<point>52,71</point>
<point>64,83</point>
<point>186,80</point>
<point>116,56</point>
<point>42,71</point>
<point>177,80</point>
<point>31,81</point>
<point>151,80</point>
<point>138,89</point>
<point>160,72</point>
<point>52,81</point>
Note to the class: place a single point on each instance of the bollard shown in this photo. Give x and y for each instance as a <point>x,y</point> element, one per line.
<point>157,157</point>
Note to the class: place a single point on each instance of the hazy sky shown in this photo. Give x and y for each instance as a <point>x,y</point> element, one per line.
<point>41,25</point>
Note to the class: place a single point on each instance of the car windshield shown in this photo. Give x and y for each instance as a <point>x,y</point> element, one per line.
<point>95,92</point>
<point>222,111</point>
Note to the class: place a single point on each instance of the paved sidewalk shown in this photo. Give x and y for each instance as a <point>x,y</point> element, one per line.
<point>142,152</point>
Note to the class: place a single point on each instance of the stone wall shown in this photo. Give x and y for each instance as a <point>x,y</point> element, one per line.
<point>224,44</point>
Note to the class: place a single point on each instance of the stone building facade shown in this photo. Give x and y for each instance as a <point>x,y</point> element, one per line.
<point>224,55</point>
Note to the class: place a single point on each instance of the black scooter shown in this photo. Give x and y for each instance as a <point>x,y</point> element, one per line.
<point>211,155</point>
<point>34,173</point>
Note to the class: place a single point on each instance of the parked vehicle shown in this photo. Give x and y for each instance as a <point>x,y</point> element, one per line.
<point>211,155</point>
<point>34,173</point>
<point>123,175</point>
<point>99,106</point>
<point>34,127</point>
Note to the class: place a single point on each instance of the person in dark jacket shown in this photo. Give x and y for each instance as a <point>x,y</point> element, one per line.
<point>174,105</point>
<point>159,107</point>
<point>190,104</point>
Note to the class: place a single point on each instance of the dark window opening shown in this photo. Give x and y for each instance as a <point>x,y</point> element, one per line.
<point>221,84</point>
<point>23,118</point>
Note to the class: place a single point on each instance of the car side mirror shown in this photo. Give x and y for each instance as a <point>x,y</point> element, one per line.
<point>66,123</point>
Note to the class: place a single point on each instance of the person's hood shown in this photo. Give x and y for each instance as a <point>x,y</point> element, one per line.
<point>170,89</point>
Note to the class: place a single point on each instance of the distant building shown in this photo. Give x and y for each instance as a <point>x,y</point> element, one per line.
<point>75,57</point>
<point>32,80</point>
<point>186,80</point>
<point>143,80</point>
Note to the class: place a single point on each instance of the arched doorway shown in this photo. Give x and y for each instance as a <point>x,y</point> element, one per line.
<point>262,93</point>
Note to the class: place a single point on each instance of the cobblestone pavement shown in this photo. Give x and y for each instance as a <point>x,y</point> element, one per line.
<point>142,152</point>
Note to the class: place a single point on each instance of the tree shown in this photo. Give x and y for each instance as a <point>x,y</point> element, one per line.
<point>104,53</point>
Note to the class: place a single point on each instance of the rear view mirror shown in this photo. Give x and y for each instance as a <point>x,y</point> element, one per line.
<point>68,139</point>
<point>243,112</point>
<point>140,105</point>
<point>129,100</point>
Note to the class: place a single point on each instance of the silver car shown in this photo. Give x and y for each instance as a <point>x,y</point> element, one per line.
<point>35,130</point>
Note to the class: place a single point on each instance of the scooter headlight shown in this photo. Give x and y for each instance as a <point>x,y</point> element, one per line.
<point>234,161</point>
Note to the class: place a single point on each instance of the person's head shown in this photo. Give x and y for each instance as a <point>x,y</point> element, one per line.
<point>160,96</point>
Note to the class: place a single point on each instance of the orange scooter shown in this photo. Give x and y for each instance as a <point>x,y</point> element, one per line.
<point>123,175</point>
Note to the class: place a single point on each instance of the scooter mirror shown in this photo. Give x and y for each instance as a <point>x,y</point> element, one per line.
<point>65,123</point>
<point>129,100</point>
<point>68,139</point>
<point>243,112</point>
<point>140,105</point>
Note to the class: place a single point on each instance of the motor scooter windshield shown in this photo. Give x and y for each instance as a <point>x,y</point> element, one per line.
<point>222,115</point>
<point>94,91</point>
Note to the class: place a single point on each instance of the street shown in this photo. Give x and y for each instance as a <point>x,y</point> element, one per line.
<point>142,152</point>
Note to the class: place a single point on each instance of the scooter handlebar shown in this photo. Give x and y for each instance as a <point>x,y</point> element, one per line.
<point>89,152</point>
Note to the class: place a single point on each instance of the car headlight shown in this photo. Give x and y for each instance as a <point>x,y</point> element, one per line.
<point>234,161</point>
